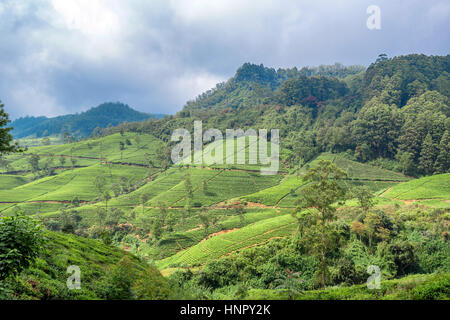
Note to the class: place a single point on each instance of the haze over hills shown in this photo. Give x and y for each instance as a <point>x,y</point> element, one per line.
<point>80,125</point>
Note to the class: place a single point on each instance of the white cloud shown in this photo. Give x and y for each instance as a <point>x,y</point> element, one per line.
<point>192,84</point>
<point>92,17</point>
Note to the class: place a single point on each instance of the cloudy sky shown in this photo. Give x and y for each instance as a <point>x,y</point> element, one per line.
<point>65,56</point>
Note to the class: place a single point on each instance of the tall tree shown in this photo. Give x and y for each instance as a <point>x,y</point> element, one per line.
<point>365,198</point>
<point>428,155</point>
<point>442,164</point>
<point>323,190</point>
<point>188,186</point>
<point>33,161</point>
<point>6,139</point>
<point>144,198</point>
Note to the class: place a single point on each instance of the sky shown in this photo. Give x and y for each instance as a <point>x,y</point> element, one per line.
<point>66,56</point>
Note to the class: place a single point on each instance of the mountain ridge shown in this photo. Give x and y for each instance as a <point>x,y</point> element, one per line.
<point>80,124</point>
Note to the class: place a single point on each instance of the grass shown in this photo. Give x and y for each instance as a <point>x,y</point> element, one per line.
<point>89,152</point>
<point>244,149</point>
<point>432,187</point>
<point>67,185</point>
<point>360,171</point>
<point>11,181</point>
<point>273,195</point>
<point>192,232</point>
<point>223,244</point>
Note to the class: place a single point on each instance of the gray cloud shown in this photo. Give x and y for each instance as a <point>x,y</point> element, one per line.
<point>60,56</point>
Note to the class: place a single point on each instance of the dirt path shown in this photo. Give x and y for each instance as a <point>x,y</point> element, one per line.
<point>45,201</point>
<point>212,235</point>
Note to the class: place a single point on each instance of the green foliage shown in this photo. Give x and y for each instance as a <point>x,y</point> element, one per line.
<point>118,283</point>
<point>150,285</point>
<point>21,239</point>
<point>6,138</point>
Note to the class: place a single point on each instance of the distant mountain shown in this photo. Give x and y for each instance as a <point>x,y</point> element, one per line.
<point>78,125</point>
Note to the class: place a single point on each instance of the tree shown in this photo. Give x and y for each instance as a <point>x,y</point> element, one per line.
<point>106,197</point>
<point>157,230</point>
<point>62,160</point>
<point>406,162</point>
<point>144,198</point>
<point>442,164</point>
<point>48,167</point>
<point>290,283</point>
<point>188,186</point>
<point>113,217</point>
<point>4,163</point>
<point>428,155</point>
<point>118,283</point>
<point>75,201</point>
<point>33,161</point>
<point>186,212</point>
<point>121,148</point>
<point>375,228</point>
<point>359,228</point>
<point>116,189</point>
<point>383,57</point>
<point>378,126</point>
<point>21,240</point>
<point>100,184</point>
<point>205,187</point>
<point>138,141</point>
<point>164,156</point>
<point>206,221</point>
<point>73,161</point>
<point>97,132</point>
<point>101,216</point>
<point>365,198</point>
<point>151,285</point>
<point>46,141</point>
<point>67,138</point>
<point>162,212</point>
<point>324,188</point>
<point>6,138</point>
<point>149,160</point>
<point>240,211</point>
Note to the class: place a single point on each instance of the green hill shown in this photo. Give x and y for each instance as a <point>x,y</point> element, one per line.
<point>433,187</point>
<point>78,125</point>
<point>46,278</point>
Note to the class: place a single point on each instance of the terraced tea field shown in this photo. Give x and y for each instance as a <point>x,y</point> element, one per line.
<point>130,162</point>
<point>432,187</point>
<point>226,243</point>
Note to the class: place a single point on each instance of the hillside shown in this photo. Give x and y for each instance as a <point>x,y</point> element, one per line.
<point>79,125</point>
<point>46,278</point>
